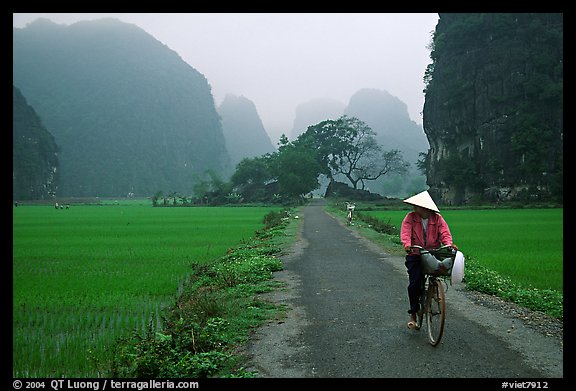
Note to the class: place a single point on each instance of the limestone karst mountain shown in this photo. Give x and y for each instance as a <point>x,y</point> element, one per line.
<point>243,130</point>
<point>493,108</point>
<point>128,114</point>
<point>34,153</point>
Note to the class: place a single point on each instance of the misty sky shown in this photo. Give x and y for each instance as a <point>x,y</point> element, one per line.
<point>280,60</point>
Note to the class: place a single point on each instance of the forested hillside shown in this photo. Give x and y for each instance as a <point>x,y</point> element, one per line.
<point>128,114</point>
<point>493,111</point>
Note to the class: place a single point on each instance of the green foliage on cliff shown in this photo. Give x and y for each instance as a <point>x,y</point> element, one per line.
<point>494,107</point>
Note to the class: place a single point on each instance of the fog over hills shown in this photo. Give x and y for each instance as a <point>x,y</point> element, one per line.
<point>313,112</point>
<point>385,114</point>
<point>127,112</point>
<point>243,130</point>
<point>388,117</point>
<point>130,116</point>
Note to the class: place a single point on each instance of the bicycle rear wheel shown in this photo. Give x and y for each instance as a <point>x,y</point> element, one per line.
<point>435,310</point>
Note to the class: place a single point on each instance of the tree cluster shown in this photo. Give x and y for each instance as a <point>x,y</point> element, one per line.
<point>345,147</point>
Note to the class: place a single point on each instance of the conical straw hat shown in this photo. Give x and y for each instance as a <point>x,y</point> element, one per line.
<point>424,200</point>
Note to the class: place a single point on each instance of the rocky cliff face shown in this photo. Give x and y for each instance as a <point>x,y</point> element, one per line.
<point>34,153</point>
<point>494,107</point>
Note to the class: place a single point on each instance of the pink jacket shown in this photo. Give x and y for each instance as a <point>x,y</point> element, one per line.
<point>437,233</point>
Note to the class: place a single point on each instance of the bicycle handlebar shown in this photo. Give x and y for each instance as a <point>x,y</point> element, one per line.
<point>434,249</point>
<point>440,251</point>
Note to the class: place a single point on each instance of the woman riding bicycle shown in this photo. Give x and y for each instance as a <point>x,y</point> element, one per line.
<point>423,227</point>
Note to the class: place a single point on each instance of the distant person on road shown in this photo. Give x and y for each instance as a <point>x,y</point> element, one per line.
<point>423,227</point>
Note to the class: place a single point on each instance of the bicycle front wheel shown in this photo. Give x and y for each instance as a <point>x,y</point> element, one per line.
<point>435,310</point>
<point>422,304</point>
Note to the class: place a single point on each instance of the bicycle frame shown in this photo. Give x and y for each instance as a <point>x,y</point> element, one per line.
<point>350,207</point>
<point>432,303</point>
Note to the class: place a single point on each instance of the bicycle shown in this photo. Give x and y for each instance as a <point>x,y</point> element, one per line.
<point>433,298</point>
<point>350,207</point>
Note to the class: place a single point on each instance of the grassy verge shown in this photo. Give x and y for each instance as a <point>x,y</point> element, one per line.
<point>215,313</point>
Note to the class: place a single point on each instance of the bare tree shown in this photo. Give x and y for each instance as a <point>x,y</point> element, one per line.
<point>363,159</point>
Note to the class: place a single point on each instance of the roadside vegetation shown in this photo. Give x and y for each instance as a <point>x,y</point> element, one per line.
<point>212,317</point>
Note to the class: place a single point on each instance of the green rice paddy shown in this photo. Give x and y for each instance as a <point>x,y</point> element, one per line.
<point>525,245</point>
<point>86,275</point>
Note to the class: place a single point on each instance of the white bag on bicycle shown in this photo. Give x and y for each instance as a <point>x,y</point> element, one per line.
<point>458,268</point>
<point>430,264</point>
<point>454,265</point>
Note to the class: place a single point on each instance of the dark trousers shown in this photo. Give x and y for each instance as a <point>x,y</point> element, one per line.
<point>414,267</point>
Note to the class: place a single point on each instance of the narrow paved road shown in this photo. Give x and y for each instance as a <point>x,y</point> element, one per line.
<point>347,319</point>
